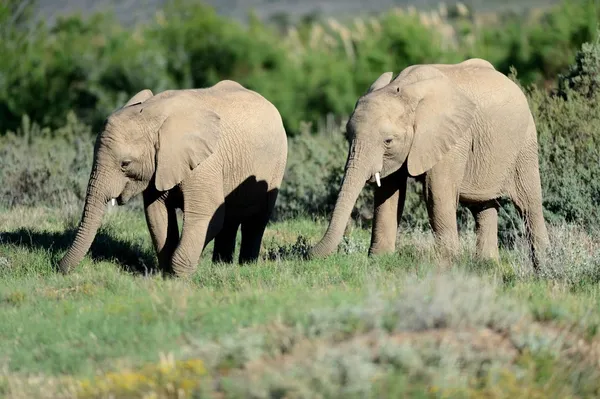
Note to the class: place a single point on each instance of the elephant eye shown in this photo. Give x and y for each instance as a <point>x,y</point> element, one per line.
<point>388,141</point>
<point>125,164</point>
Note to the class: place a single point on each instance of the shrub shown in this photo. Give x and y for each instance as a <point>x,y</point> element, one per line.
<point>574,261</point>
<point>313,174</point>
<point>583,76</point>
<point>70,77</point>
<point>543,46</point>
<point>454,301</point>
<point>92,65</point>
<point>166,379</point>
<point>567,124</point>
<point>43,167</point>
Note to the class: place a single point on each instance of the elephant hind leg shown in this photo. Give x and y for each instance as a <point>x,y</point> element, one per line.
<point>252,234</point>
<point>253,229</point>
<point>527,196</point>
<point>486,229</point>
<point>224,247</point>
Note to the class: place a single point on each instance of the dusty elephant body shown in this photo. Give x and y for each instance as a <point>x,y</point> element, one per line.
<point>217,153</point>
<point>465,130</point>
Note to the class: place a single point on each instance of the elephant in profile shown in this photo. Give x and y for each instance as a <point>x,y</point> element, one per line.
<point>466,132</point>
<point>216,153</point>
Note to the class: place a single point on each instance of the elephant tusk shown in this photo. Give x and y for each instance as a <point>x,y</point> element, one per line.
<point>113,202</point>
<point>377,179</point>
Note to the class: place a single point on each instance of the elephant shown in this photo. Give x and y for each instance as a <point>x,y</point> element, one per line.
<point>466,132</point>
<point>216,153</point>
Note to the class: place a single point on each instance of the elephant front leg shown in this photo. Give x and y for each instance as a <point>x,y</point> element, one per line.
<point>186,256</point>
<point>442,201</point>
<point>203,219</point>
<point>162,224</point>
<point>389,205</point>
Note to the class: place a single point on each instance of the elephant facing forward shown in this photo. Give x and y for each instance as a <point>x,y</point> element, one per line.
<point>217,153</point>
<point>465,130</point>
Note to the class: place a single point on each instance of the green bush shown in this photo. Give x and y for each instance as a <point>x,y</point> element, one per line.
<point>313,174</point>
<point>539,47</point>
<point>92,65</point>
<point>40,167</point>
<point>582,77</point>
<point>569,159</point>
<point>567,124</point>
<point>70,77</point>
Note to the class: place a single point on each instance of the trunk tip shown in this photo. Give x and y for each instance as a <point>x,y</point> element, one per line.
<point>64,266</point>
<point>318,251</point>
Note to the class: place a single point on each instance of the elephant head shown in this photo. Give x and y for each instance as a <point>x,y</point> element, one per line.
<point>150,140</point>
<point>414,120</point>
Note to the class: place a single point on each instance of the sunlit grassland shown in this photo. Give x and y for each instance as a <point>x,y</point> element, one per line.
<point>348,325</point>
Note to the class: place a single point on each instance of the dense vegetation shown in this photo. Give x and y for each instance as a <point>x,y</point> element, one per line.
<point>92,65</point>
<point>347,326</point>
<point>59,83</point>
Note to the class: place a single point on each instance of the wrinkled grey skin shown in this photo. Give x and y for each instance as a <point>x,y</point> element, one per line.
<point>217,153</point>
<point>465,131</point>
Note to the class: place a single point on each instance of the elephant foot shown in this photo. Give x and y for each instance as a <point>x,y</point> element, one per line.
<point>183,272</point>
<point>164,266</point>
<point>446,257</point>
<point>488,253</point>
<point>492,256</point>
<point>64,268</point>
<point>381,250</point>
<point>539,259</point>
<point>243,261</point>
<point>318,251</point>
<point>181,268</point>
<point>444,263</point>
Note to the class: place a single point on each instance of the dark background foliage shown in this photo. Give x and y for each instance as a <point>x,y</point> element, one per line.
<point>58,82</point>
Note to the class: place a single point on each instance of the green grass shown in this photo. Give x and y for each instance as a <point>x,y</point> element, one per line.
<point>348,325</point>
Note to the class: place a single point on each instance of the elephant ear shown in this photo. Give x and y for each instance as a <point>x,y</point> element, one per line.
<point>185,140</point>
<point>381,81</point>
<point>139,98</point>
<point>442,116</point>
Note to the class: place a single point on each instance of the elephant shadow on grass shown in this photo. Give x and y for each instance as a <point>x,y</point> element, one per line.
<point>129,256</point>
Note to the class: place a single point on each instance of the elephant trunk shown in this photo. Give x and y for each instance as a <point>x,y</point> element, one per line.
<point>355,177</point>
<point>95,205</point>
